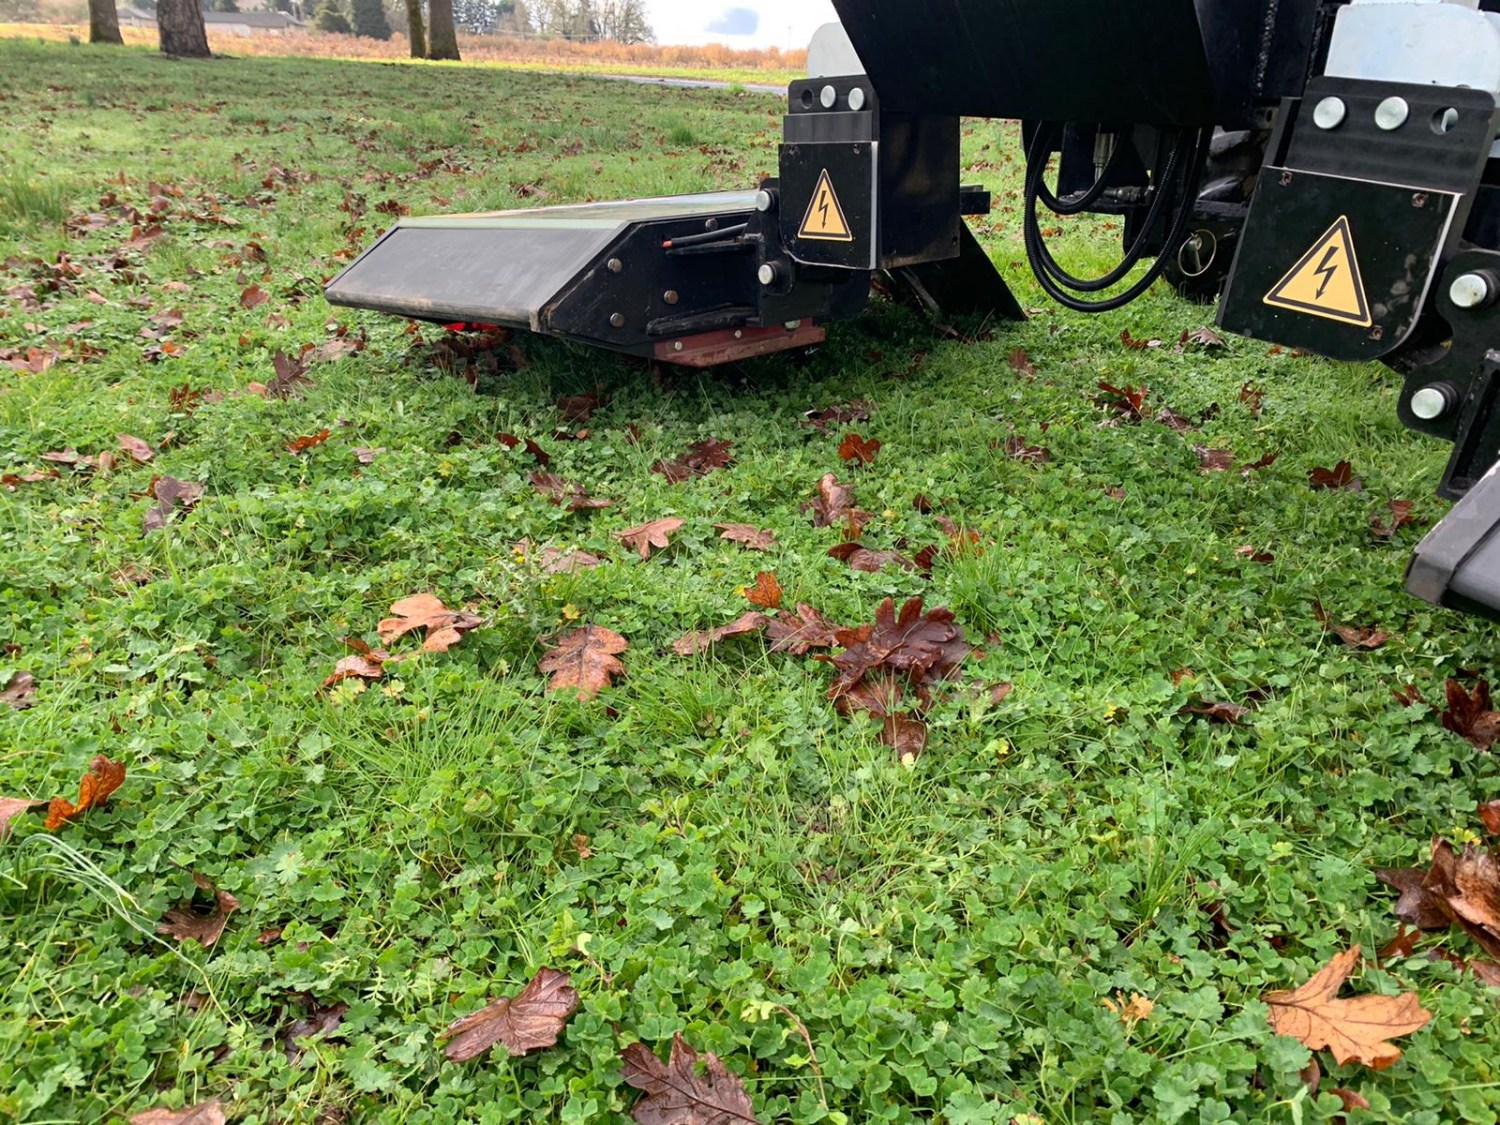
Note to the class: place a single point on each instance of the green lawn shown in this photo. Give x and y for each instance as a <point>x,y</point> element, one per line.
<point>708,847</point>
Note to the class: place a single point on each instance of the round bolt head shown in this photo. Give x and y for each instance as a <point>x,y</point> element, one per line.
<point>856,99</point>
<point>617,320</point>
<point>1469,290</point>
<point>793,325</point>
<point>615,265</point>
<point>828,96</point>
<point>1430,403</point>
<point>670,296</point>
<point>763,200</point>
<point>1330,113</point>
<point>677,345</point>
<point>1392,113</point>
<point>766,275</point>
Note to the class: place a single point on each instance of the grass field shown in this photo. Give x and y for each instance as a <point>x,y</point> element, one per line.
<point>1066,909</point>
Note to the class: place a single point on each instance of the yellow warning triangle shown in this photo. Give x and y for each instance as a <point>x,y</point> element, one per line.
<point>1325,281</point>
<point>825,218</point>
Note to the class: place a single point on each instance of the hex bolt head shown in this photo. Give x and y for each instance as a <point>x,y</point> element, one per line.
<point>1432,401</point>
<point>1470,290</point>
<point>828,97</point>
<point>1392,113</point>
<point>857,99</point>
<point>1330,113</point>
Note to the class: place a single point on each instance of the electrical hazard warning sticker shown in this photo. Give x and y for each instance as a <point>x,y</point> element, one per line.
<point>825,218</point>
<point>1325,282</point>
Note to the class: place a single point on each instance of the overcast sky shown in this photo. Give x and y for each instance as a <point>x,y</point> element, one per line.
<point>739,23</point>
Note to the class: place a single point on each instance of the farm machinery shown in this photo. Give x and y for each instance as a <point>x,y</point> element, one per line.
<point>1327,169</point>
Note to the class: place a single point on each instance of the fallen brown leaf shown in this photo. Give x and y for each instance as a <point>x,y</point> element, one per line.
<point>1471,714</point>
<point>12,807</point>
<point>799,632</point>
<point>302,444</point>
<point>444,627</point>
<point>184,921</point>
<point>253,297</point>
<point>1400,516</point>
<point>1359,1028</point>
<point>566,493</point>
<point>529,1021</point>
<point>135,447</point>
<point>859,449</point>
<point>690,644</point>
<point>677,1094</point>
<point>833,503</point>
<point>748,535</point>
<point>1340,478</point>
<point>1355,636</point>
<point>766,592</point>
<point>19,691</point>
<point>585,660</point>
<point>103,778</point>
<point>652,534</point>
<point>210,1112</point>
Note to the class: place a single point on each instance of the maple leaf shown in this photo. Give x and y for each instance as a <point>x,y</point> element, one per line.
<point>566,493</point>
<point>652,534</point>
<point>766,592</point>
<point>701,458</point>
<point>833,503</point>
<point>1489,816</point>
<point>1471,715</point>
<point>1359,1028</point>
<point>752,537</point>
<point>1137,344</point>
<point>858,449</point>
<point>1017,450</point>
<point>538,454</point>
<point>799,632</point>
<point>103,778</point>
<point>444,627</point>
<point>1400,516</point>
<point>19,690</point>
<point>253,296</point>
<point>829,416</point>
<point>1460,888</point>
<point>580,408</point>
<point>183,921</point>
<point>1264,462</point>
<point>584,659</point>
<point>1253,397</point>
<point>364,663</point>
<point>1127,401</point>
<point>210,1112</point>
<point>529,1021</point>
<point>914,648</point>
<point>1021,364</point>
<point>676,1094</point>
<point>690,644</point>
<point>1231,713</point>
<point>170,494</point>
<point>1204,337</point>
<point>288,380</point>
<point>135,447</point>
<point>1340,478</point>
<point>553,560</point>
<point>1355,636</point>
<point>904,733</point>
<point>301,444</point>
<point>868,561</point>
<point>12,807</point>
<point>320,1019</point>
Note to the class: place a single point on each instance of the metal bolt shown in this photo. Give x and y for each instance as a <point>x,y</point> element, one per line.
<point>1419,199</point>
<point>768,273</point>
<point>1470,290</point>
<point>670,296</point>
<point>617,320</point>
<point>677,345</point>
<point>764,200</point>
<point>711,223</point>
<point>1377,332</point>
<point>793,325</point>
<point>1432,402</point>
<point>857,99</point>
<point>1286,179</point>
<point>1392,113</point>
<point>615,265</point>
<point>738,335</point>
<point>1330,113</point>
<point>828,96</point>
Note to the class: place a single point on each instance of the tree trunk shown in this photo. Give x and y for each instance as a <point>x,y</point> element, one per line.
<point>104,22</point>
<point>180,25</point>
<point>442,39</point>
<point>414,29</point>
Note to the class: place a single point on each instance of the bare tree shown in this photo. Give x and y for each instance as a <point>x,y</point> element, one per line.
<point>414,30</point>
<point>442,38</point>
<point>179,23</point>
<point>104,22</point>
<point>624,21</point>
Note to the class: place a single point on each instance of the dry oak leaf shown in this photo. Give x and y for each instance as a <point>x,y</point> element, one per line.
<point>747,534</point>
<point>675,1093</point>
<point>529,1021</point>
<point>1358,1028</point>
<point>19,691</point>
<point>183,922</point>
<point>854,447</point>
<point>210,1112</point>
<point>135,447</point>
<point>103,778</point>
<point>445,627</point>
<point>1471,714</point>
<point>690,644</point>
<point>654,533</point>
<point>798,632</point>
<point>584,659</point>
<point>12,807</point>
<point>766,592</point>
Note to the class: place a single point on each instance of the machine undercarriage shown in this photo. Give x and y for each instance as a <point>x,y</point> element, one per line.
<point>1327,168</point>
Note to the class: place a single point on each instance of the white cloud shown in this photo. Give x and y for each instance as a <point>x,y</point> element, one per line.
<point>782,23</point>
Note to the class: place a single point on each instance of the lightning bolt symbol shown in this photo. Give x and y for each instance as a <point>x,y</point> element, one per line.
<point>1326,270</point>
<point>823,206</point>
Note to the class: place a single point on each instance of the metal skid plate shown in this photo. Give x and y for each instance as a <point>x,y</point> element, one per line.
<point>1458,564</point>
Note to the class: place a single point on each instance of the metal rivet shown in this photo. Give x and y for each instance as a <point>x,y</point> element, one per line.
<point>711,223</point>
<point>828,97</point>
<point>1470,290</point>
<point>617,320</point>
<point>677,345</point>
<point>738,335</point>
<point>857,99</point>
<point>670,296</point>
<point>1392,113</point>
<point>1432,402</point>
<point>764,201</point>
<point>1329,113</point>
<point>615,265</point>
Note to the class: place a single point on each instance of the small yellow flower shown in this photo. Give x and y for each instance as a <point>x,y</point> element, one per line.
<point>571,612</point>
